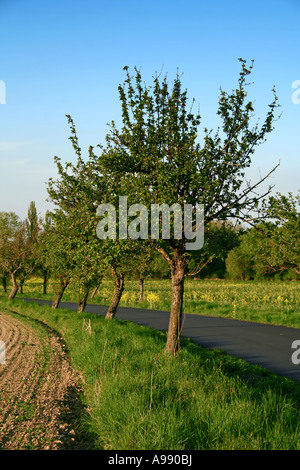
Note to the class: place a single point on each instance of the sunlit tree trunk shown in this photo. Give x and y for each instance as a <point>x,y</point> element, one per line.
<point>118,290</point>
<point>15,287</point>
<point>58,295</point>
<point>178,266</point>
<point>94,292</point>
<point>4,284</point>
<point>82,300</point>
<point>141,282</point>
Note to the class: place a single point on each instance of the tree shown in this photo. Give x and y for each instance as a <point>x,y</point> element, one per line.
<point>220,238</point>
<point>15,248</point>
<point>140,266</point>
<point>88,260</point>
<point>32,227</point>
<point>42,252</point>
<point>32,223</point>
<point>57,253</point>
<point>240,260</point>
<point>271,246</point>
<point>156,157</point>
<point>79,190</point>
<point>279,234</point>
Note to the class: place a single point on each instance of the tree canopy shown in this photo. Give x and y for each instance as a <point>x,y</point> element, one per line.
<point>154,159</point>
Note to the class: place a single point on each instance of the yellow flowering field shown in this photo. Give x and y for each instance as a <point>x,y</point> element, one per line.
<point>282,296</point>
<point>266,301</point>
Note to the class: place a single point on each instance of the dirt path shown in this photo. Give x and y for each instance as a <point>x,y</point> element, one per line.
<point>39,391</point>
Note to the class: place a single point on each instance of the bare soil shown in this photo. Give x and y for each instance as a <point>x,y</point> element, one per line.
<point>40,393</point>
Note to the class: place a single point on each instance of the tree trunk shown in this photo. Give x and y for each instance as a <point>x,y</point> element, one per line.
<point>141,281</point>
<point>4,284</point>
<point>15,286</point>
<point>94,292</point>
<point>21,286</point>
<point>119,287</point>
<point>178,267</point>
<point>59,294</point>
<point>45,281</point>
<point>175,322</point>
<point>82,300</point>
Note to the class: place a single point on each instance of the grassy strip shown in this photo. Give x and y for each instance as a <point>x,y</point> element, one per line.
<point>140,399</point>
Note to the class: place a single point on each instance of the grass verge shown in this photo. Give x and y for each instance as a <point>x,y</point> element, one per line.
<point>138,398</point>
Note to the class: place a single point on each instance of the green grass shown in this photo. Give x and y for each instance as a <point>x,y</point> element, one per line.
<point>138,398</point>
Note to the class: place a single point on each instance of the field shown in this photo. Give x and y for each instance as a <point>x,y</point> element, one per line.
<point>276,302</point>
<point>38,389</point>
<point>135,397</point>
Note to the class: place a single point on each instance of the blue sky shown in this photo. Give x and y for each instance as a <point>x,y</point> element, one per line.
<point>61,57</point>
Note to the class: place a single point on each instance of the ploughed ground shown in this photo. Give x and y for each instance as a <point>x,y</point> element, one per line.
<point>40,393</point>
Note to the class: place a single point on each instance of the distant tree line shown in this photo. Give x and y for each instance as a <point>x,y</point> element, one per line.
<point>271,248</point>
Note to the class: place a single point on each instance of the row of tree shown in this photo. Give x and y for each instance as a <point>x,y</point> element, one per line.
<point>62,249</point>
<point>154,158</point>
<point>50,250</point>
<point>17,248</point>
<point>65,249</point>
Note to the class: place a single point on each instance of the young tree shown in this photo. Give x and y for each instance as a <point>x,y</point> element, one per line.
<point>15,250</point>
<point>156,157</point>
<point>143,268</point>
<point>140,266</point>
<point>57,253</point>
<point>88,260</point>
<point>78,192</point>
<point>42,251</point>
<point>32,227</point>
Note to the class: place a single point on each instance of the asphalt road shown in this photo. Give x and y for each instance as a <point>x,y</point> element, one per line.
<point>268,346</point>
